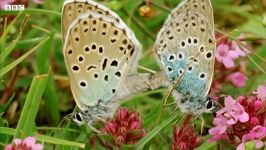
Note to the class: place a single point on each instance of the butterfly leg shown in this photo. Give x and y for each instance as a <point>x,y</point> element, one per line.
<point>93,128</point>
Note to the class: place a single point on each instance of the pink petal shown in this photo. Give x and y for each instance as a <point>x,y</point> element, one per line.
<point>135,125</point>
<point>241,146</point>
<point>254,121</point>
<point>229,103</point>
<point>122,113</point>
<point>238,79</point>
<point>217,130</point>
<point>38,147</point>
<point>228,62</point>
<point>222,48</point>
<point>217,137</point>
<point>244,117</point>
<point>259,131</point>
<point>8,147</point>
<point>231,121</point>
<point>261,92</point>
<point>237,49</point>
<point>247,137</point>
<point>38,1</point>
<point>30,141</point>
<point>17,141</point>
<point>5,2</point>
<point>257,104</point>
<point>233,54</point>
<point>259,144</point>
<point>221,51</point>
<point>111,127</point>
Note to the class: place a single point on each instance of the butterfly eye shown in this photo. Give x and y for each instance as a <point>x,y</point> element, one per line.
<point>210,105</point>
<point>78,119</point>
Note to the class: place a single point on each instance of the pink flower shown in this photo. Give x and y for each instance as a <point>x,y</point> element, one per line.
<point>261,92</point>
<point>233,111</point>
<point>255,135</point>
<point>125,127</point>
<point>5,2</point>
<point>221,126</point>
<point>27,144</point>
<point>38,1</point>
<point>238,79</point>
<point>185,138</point>
<point>244,120</point>
<point>226,56</point>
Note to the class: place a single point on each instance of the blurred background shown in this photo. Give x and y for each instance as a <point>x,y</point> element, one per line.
<point>33,46</point>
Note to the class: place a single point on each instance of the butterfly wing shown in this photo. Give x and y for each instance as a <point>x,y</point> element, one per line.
<point>186,38</point>
<point>99,51</point>
<point>73,9</point>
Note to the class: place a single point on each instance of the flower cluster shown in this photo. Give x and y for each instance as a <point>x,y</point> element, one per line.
<point>226,69</point>
<point>28,143</point>
<point>185,138</point>
<point>241,120</point>
<point>125,128</point>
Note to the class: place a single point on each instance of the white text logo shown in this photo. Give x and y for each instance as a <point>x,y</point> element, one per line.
<point>14,7</point>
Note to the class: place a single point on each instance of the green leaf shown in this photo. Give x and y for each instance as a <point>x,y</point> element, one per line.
<point>32,11</point>
<point>44,138</point>
<point>155,131</point>
<point>31,106</point>
<point>11,46</point>
<point>9,67</point>
<point>250,145</point>
<point>53,140</point>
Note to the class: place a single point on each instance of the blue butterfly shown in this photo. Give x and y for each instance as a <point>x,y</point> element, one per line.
<point>185,47</point>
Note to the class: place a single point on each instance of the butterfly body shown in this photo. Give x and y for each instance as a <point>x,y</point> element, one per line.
<point>185,50</point>
<point>99,52</point>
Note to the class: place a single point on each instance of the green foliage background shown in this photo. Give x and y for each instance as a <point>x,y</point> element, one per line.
<point>39,98</point>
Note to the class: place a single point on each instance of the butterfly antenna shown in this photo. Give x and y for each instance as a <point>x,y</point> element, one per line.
<point>146,69</point>
<point>247,50</point>
<point>242,46</point>
<point>61,125</point>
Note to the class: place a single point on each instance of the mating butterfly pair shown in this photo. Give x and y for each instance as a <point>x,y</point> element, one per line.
<point>101,53</point>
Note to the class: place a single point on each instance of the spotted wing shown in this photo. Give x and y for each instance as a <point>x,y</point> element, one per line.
<point>187,39</point>
<point>99,51</point>
<point>74,8</point>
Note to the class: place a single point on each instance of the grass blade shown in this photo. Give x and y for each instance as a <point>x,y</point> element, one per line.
<point>31,106</point>
<point>9,67</point>
<point>155,131</point>
<point>44,138</point>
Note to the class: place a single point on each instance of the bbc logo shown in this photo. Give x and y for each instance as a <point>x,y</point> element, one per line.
<point>14,7</point>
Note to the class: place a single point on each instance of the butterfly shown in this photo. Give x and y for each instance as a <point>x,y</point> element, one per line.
<point>99,51</point>
<point>186,50</point>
